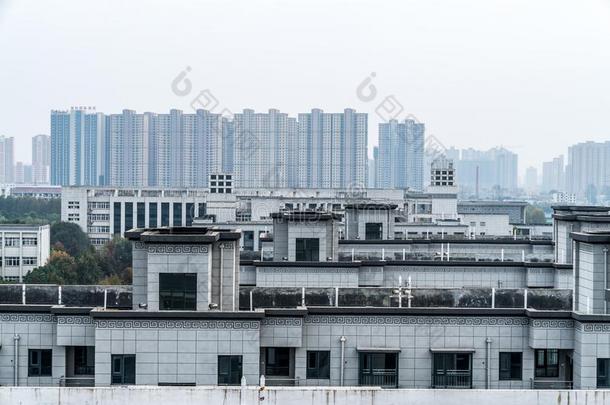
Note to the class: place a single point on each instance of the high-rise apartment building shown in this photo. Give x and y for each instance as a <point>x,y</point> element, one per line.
<point>322,150</point>
<point>553,175</point>
<point>482,171</point>
<point>78,147</point>
<point>331,150</point>
<point>531,180</point>
<point>41,159</point>
<point>401,155</point>
<point>7,160</point>
<point>588,169</point>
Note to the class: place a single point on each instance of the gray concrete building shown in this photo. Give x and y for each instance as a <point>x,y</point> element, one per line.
<point>195,315</point>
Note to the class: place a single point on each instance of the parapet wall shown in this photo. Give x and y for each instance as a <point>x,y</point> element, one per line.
<point>150,395</point>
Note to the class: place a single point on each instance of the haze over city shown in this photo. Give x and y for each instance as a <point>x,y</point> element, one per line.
<point>530,76</point>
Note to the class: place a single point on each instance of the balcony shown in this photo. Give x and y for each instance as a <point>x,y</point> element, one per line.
<point>380,377</point>
<point>452,379</point>
<point>540,384</point>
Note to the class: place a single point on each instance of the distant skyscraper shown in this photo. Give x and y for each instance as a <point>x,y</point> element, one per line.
<point>262,149</point>
<point>41,159</point>
<point>506,168</point>
<point>182,150</point>
<point>531,180</point>
<point>331,149</point>
<point>481,171</point>
<point>442,173</point>
<point>588,169</point>
<point>401,155</point>
<point>78,146</point>
<point>7,160</point>
<point>553,175</point>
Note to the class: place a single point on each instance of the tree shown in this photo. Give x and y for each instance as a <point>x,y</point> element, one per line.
<point>534,216</point>
<point>71,237</point>
<point>60,269</point>
<point>116,258</point>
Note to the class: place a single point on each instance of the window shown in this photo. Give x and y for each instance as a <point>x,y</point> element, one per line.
<point>510,365</point>
<point>30,261</point>
<point>141,215</point>
<point>84,360</point>
<point>177,221</point>
<point>248,240</point>
<point>546,363</point>
<point>202,210</point>
<point>318,364</point>
<point>229,370</point>
<point>123,368</point>
<point>128,216</point>
<point>152,215</point>
<point>603,373</point>
<point>40,363</point>
<point>11,261</point>
<point>190,213</point>
<point>482,223</point>
<point>307,249</point>
<point>373,231</point>
<point>29,241</point>
<point>277,361</point>
<point>117,218</point>
<point>178,291</point>
<point>452,370</point>
<point>164,214</point>
<point>378,369</point>
<point>11,241</point>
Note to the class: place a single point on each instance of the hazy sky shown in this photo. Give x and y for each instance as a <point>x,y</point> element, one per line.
<point>533,76</point>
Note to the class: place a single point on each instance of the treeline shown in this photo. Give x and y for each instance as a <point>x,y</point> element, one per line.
<point>29,210</point>
<point>74,261</point>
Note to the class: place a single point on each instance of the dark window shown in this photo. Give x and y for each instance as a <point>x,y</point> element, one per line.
<point>164,214</point>
<point>178,291</point>
<point>546,363</point>
<point>152,215</point>
<point>603,373</point>
<point>190,213</point>
<point>307,249</point>
<point>378,369</point>
<point>128,216</point>
<point>452,370</point>
<point>318,364</point>
<point>248,240</point>
<point>123,369</point>
<point>511,365</point>
<point>141,215</point>
<point>117,218</point>
<point>177,214</point>
<point>202,210</point>
<point>277,361</point>
<point>84,360</point>
<point>373,231</point>
<point>40,363</point>
<point>229,370</point>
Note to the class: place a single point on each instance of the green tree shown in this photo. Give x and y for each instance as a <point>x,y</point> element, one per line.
<point>71,237</point>
<point>60,269</point>
<point>88,268</point>
<point>534,215</point>
<point>116,256</point>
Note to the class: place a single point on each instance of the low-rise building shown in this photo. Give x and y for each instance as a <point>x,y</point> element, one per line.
<point>24,247</point>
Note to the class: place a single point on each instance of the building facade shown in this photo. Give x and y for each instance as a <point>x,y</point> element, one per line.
<point>24,247</point>
<point>401,155</point>
<point>41,159</point>
<point>7,160</point>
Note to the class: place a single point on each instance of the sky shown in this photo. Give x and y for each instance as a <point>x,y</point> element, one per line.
<point>532,76</point>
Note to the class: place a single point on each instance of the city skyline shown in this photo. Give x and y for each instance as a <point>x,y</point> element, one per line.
<point>516,94</point>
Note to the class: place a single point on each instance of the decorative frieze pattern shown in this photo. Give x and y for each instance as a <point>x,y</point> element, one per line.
<point>177,249</point>
<point>27,318</point>
<point>415,320</point>
<point>176,324</point>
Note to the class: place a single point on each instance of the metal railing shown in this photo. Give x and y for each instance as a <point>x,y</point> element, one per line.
<point>537,384</point>
<point>282,381</point>
<point>380,378</point>
<point>77,381</point>
<point>452,379</point>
